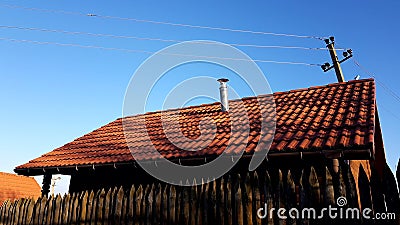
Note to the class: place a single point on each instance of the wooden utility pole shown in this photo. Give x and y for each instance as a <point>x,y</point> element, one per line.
<point>335,60</point>
<point>330,45</point>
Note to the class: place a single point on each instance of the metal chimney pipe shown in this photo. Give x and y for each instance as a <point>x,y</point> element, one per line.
<point>223,93</point>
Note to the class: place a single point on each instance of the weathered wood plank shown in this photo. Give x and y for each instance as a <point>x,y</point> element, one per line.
<point>247,196</point>
<point>229,204</point>
<point>103,199</point>
<point>159,201</point>
<point>351,190</point>
<point>222,199</point>
<point>139,199</point>
<point>329,195</point>
<point>83,212</point>
<point>118,206</point>
<point>43,210</point>
<point>213,201</point>
<point>75,209</point>
<point>149,204</point>
<point>29,212</point>
<point>8,219</point>
<point>193,200</point>
<point>22,208</point>
<point>314,189</point>
<point>2,212</point>
<point>204,200</point>
<point>131,205</point>
<point>172,205</point>
<point>89,212</point>
<point>13,211</point>
<point>256,196</point>
<point>291,196</point>
<point>49,211</point>
<point>377,192</point>
<point>18,211</point>
<point>364,189</point>
<point>186,204</point>
<point>65,209</point>
<point>238,202</point>
<point>144,206</point>
<point>390,190</point>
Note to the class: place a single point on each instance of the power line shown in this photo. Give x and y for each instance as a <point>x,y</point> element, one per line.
<point>389,111</point>
<point>150,39</point>
<point>385,87</point>
<point>151,52</point>
<point>161,22</point>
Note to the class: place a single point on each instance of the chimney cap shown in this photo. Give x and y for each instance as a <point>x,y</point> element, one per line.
<point>222,80</point>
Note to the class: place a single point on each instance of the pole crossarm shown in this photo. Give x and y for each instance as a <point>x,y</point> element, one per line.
<point>330,45</point>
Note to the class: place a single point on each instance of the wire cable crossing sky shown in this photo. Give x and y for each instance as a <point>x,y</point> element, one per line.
<point>154,39</point>
<point>151,52</point>
<point>161,22</point>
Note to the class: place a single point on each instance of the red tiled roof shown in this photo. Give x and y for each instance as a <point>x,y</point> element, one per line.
<point>13,187</point>
<point>336,116</point>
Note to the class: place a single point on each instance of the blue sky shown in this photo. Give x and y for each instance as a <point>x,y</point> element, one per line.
<point>52,94</point>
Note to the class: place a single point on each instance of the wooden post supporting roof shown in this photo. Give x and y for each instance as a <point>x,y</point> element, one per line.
<point>46,184</point>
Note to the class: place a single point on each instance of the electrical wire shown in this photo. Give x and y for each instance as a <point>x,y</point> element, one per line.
<point>151,52</point>
<point>389,111</point>
<point>151,39</point>
<point>385,87</point>
<point>160,22</point>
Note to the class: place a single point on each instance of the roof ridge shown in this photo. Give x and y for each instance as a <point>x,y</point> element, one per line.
<point>251,97</point>
<point>325,86</point>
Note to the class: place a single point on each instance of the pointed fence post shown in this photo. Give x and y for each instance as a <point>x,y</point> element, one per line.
<point>238,203</point>
<point>172,204</point>
<point>314,189</point>
<point>329,195</point>
<point>351,188</point>
<point>165,205</point>
<point>377,193</point>
<point>247,196</point>
<point>364,189</point>
<point>223,203</point>
<point>341,185</point>
<point>390,191</point>
<point>229,201</point>
<point>256,204</point>
<point>139,210</point>
<point>83,213</point>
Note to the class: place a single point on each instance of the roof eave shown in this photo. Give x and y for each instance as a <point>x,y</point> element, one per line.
<point>360,153</point>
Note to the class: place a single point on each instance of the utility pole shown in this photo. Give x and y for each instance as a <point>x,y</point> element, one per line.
<point>330,45</point>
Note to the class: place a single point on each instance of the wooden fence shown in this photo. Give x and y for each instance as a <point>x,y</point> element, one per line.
<point>233,199</point>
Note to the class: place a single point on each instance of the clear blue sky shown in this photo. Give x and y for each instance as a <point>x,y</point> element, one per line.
<point>51,95</point>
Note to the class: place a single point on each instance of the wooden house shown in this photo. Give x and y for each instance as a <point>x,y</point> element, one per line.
<point>330,126</point>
